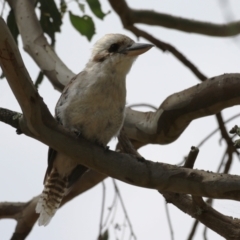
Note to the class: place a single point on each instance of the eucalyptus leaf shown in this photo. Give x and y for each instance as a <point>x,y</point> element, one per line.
<point>2,75</point>
<point>39,79</point>
<point>82,7</point>
<point>50,18</point>
<point>104,236</point>
<point>95,6</point>
<point>84,25</point>
<point>11,22</point>
<point>63,7</point>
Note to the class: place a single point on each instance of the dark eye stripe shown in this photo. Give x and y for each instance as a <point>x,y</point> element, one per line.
<point>113,48</point>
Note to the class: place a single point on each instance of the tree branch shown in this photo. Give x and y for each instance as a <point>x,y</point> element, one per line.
<point>38,123</point>
<point>132,16</point>
<point>124,12</point>
<point>10,117</point>
<point>36,45</point>
<point>168,47</point>
<point>178,110</point>
<point>227,227</point>
<point>24,213</point>
<point>139,131</point>
<point>192,156</point>
<point>203,212</point>
<point>198,209</point>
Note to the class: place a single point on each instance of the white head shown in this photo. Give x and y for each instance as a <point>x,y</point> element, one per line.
<point>117,51</point>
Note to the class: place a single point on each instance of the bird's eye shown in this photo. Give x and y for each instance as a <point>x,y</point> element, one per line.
<point>113,48</point>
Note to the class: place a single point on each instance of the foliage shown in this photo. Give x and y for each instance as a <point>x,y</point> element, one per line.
<point>50,18</point>
<point>51,21</point>
<point>11,22</point>
<point>84,25</point>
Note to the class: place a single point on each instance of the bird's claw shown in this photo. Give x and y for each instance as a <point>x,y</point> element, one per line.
<point>77,133</point>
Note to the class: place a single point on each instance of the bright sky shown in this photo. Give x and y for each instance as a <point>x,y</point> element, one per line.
<point>154,76</point>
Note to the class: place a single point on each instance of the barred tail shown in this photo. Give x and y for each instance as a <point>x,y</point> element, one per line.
<point>51,197</point>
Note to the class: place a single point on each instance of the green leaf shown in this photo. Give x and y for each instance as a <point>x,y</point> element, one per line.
<point>104,236</point>
<point>96,8</point>
<point>39,79</point>
<point>63,7</point>
<point>50,18</point>
<point>82,7</point>
<point>84,25</point>
<point>11,22</point>
<point>2,75</point>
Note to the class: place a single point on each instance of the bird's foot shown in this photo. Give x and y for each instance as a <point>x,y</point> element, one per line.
<point>141,159</point>
<point>106,148</point>
<point>77,133</point>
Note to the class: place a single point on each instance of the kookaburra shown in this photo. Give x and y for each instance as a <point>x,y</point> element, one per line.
<point>91,105</point>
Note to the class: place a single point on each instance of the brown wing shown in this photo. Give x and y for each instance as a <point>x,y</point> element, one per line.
<point>80,169</point>
<point>75,174</point>
<point>51,156</point>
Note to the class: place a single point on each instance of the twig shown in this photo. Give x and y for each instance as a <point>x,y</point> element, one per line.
<point>142,105</point>
<point>230,145</point>
<point>125,144</point>
<point>25,215</point>
<point>228,14</point>
<point>124,209</point>
<point>10,117</point>
<point>192,156</point>
<point>169,221</point>
<point>190,161</point>
<point>114,209</point>
<point>205,233</point>
<point>43,54</point>
<point>123,228</point>
<point>131,16</point>
<point>193,231</point>
<point>229,160</point>
<point>125,14</point>
<point>223,130</point>
<point>209,216</point>
<point>222,161</point>
<point>110,209</point>
<point>102,210</point>
<point>168,47</point>
<point>216,130</point>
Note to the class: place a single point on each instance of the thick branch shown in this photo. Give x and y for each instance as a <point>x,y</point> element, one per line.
<point>137,131</point>
<point>143,173</point>
<point>132,16</point>
<point>11,210</point>
<point>227,227</point>
<point>37,46</point>
<point>38,123</point>
<point>24,213</point>
<point>126,168</point>
<point>186,25</point>
<point>178,110</point>
<point>196,207</point>
<point>124,13</point>
<point>10,117</point>
<point>163,126</point>
<point>24,90</point>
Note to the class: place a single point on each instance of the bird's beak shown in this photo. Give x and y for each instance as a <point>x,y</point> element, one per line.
<point>137,48</point>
